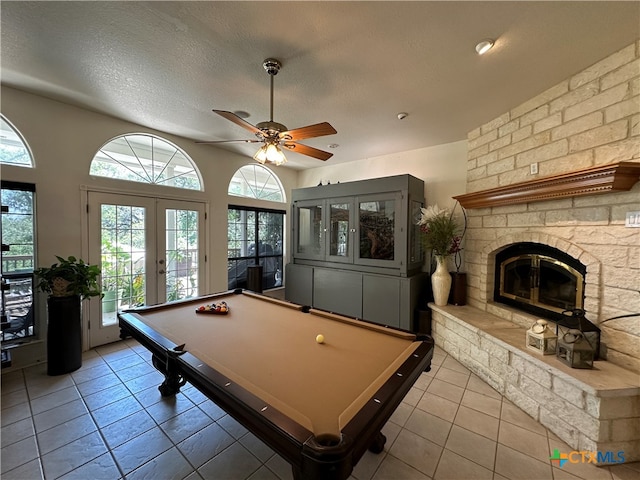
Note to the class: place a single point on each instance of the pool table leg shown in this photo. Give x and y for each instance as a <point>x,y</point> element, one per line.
<point>377,443</point>
<point>172,379</point>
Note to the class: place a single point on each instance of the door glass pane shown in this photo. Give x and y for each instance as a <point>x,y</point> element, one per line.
<point>339,229</point>
<point>254,238</point>
<point>17,232</point>
<point>181,254</point>
<point>377,226</point>
<point>270,233</point>
<point>516,279</point>
<point>310,229</point>
<point>123,259</point>
<point>241,245</point>
<point>558,287</point>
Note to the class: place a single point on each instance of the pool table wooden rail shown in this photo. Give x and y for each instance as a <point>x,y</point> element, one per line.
<point>311,458</point>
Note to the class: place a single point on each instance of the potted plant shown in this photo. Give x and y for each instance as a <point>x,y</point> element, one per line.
<point>68,282</point>
<point>441,234</point>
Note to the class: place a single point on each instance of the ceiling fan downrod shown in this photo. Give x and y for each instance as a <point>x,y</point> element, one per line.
<point>272,67</point>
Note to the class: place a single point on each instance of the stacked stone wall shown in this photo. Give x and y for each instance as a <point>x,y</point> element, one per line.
<point>591,410</point>
<point>590,119</point>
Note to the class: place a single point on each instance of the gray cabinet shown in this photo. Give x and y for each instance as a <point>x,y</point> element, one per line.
<point>369,225</point>
<point>384,299</point>
<point>356,249</point>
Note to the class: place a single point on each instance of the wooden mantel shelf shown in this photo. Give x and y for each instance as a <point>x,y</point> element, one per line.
<point>616,177</point>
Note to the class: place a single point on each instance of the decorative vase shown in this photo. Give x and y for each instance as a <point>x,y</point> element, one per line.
<point>441,281</point>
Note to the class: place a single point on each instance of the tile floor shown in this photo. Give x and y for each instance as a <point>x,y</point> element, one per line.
<point>108,421</point>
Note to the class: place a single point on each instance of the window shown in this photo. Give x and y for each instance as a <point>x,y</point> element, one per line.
<point>146,158</point>
<point>255,238</point>
<point>256,181</point>
<point>13,148</point>
<point>17,227</point>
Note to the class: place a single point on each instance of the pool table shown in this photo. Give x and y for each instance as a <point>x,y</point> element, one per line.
<point>318,404</point>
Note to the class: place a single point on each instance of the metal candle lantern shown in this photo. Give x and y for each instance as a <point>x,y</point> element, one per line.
<point>575,350</point>
<point>541,339</point>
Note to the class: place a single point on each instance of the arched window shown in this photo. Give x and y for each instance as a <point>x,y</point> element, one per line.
<point>146,158</point>
<point>13,148</point>
<point>256,181</point>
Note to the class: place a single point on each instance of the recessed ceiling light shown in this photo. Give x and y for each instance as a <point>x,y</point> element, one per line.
<point>484,46</point>
<point>333,145</point>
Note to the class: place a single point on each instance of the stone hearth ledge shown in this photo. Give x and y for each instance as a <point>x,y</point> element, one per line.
<point>591,410</point>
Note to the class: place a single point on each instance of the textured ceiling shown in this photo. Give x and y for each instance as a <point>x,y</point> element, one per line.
<point>356,65</point>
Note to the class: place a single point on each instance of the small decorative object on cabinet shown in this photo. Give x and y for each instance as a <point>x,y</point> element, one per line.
<point>541,339</point>
<point>68,283</point>
<point>441,234</point>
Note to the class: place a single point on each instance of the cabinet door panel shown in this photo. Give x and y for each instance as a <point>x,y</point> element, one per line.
<point>338,291</point>
<point>299,281</point>
<point>381,300</point>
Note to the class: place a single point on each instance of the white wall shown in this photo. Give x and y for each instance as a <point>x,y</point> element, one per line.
<point>443,169</point>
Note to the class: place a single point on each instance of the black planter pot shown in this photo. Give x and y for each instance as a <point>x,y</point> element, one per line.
<point>64,335</point>
<point>458,293</point>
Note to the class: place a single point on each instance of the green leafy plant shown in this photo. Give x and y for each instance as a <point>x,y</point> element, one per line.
<point>70,276</point>
<point>441,233</point>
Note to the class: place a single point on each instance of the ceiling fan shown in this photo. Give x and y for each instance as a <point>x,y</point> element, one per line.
<point>274,135</point>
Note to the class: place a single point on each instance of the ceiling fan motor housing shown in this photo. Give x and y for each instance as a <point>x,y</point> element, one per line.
<point>271,129</point>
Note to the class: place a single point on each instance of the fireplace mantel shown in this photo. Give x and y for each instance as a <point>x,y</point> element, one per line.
<point>616,177</point>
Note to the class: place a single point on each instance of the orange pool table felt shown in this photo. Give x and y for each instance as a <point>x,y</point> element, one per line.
<point>269,347</point>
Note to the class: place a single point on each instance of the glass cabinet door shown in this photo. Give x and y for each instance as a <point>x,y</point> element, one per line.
<point>340,230</point>
<point>378,228</point>
<point>310,230</point>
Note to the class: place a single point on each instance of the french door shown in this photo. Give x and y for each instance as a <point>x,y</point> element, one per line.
<point>150,251</point>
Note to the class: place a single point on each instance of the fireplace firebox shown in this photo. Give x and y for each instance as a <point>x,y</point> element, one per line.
<point>539,279</point>
<point>544,281</point>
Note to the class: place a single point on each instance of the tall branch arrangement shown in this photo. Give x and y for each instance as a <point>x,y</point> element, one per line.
<point>441,233</point>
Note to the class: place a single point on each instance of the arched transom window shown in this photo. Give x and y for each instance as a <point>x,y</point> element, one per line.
<point>13,148</point>
<point>147,159</point>
<point>256,181</point>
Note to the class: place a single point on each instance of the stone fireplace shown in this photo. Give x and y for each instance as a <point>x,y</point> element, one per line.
<point>584,124</point>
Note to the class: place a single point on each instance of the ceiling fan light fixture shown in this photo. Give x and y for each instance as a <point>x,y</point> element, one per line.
<point>484,46</point>
<point>271,153</point>
<point>261,155</point>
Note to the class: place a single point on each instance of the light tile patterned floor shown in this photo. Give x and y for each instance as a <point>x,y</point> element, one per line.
<point>108,421</point>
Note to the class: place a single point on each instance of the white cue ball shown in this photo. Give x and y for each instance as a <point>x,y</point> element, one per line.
<point>320,339</point>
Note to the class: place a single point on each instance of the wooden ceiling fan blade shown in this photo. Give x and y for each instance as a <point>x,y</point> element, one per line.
<point>239,121</point>
<point>213,142</point>
<point>307,150</point>
<point>310,131</point>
